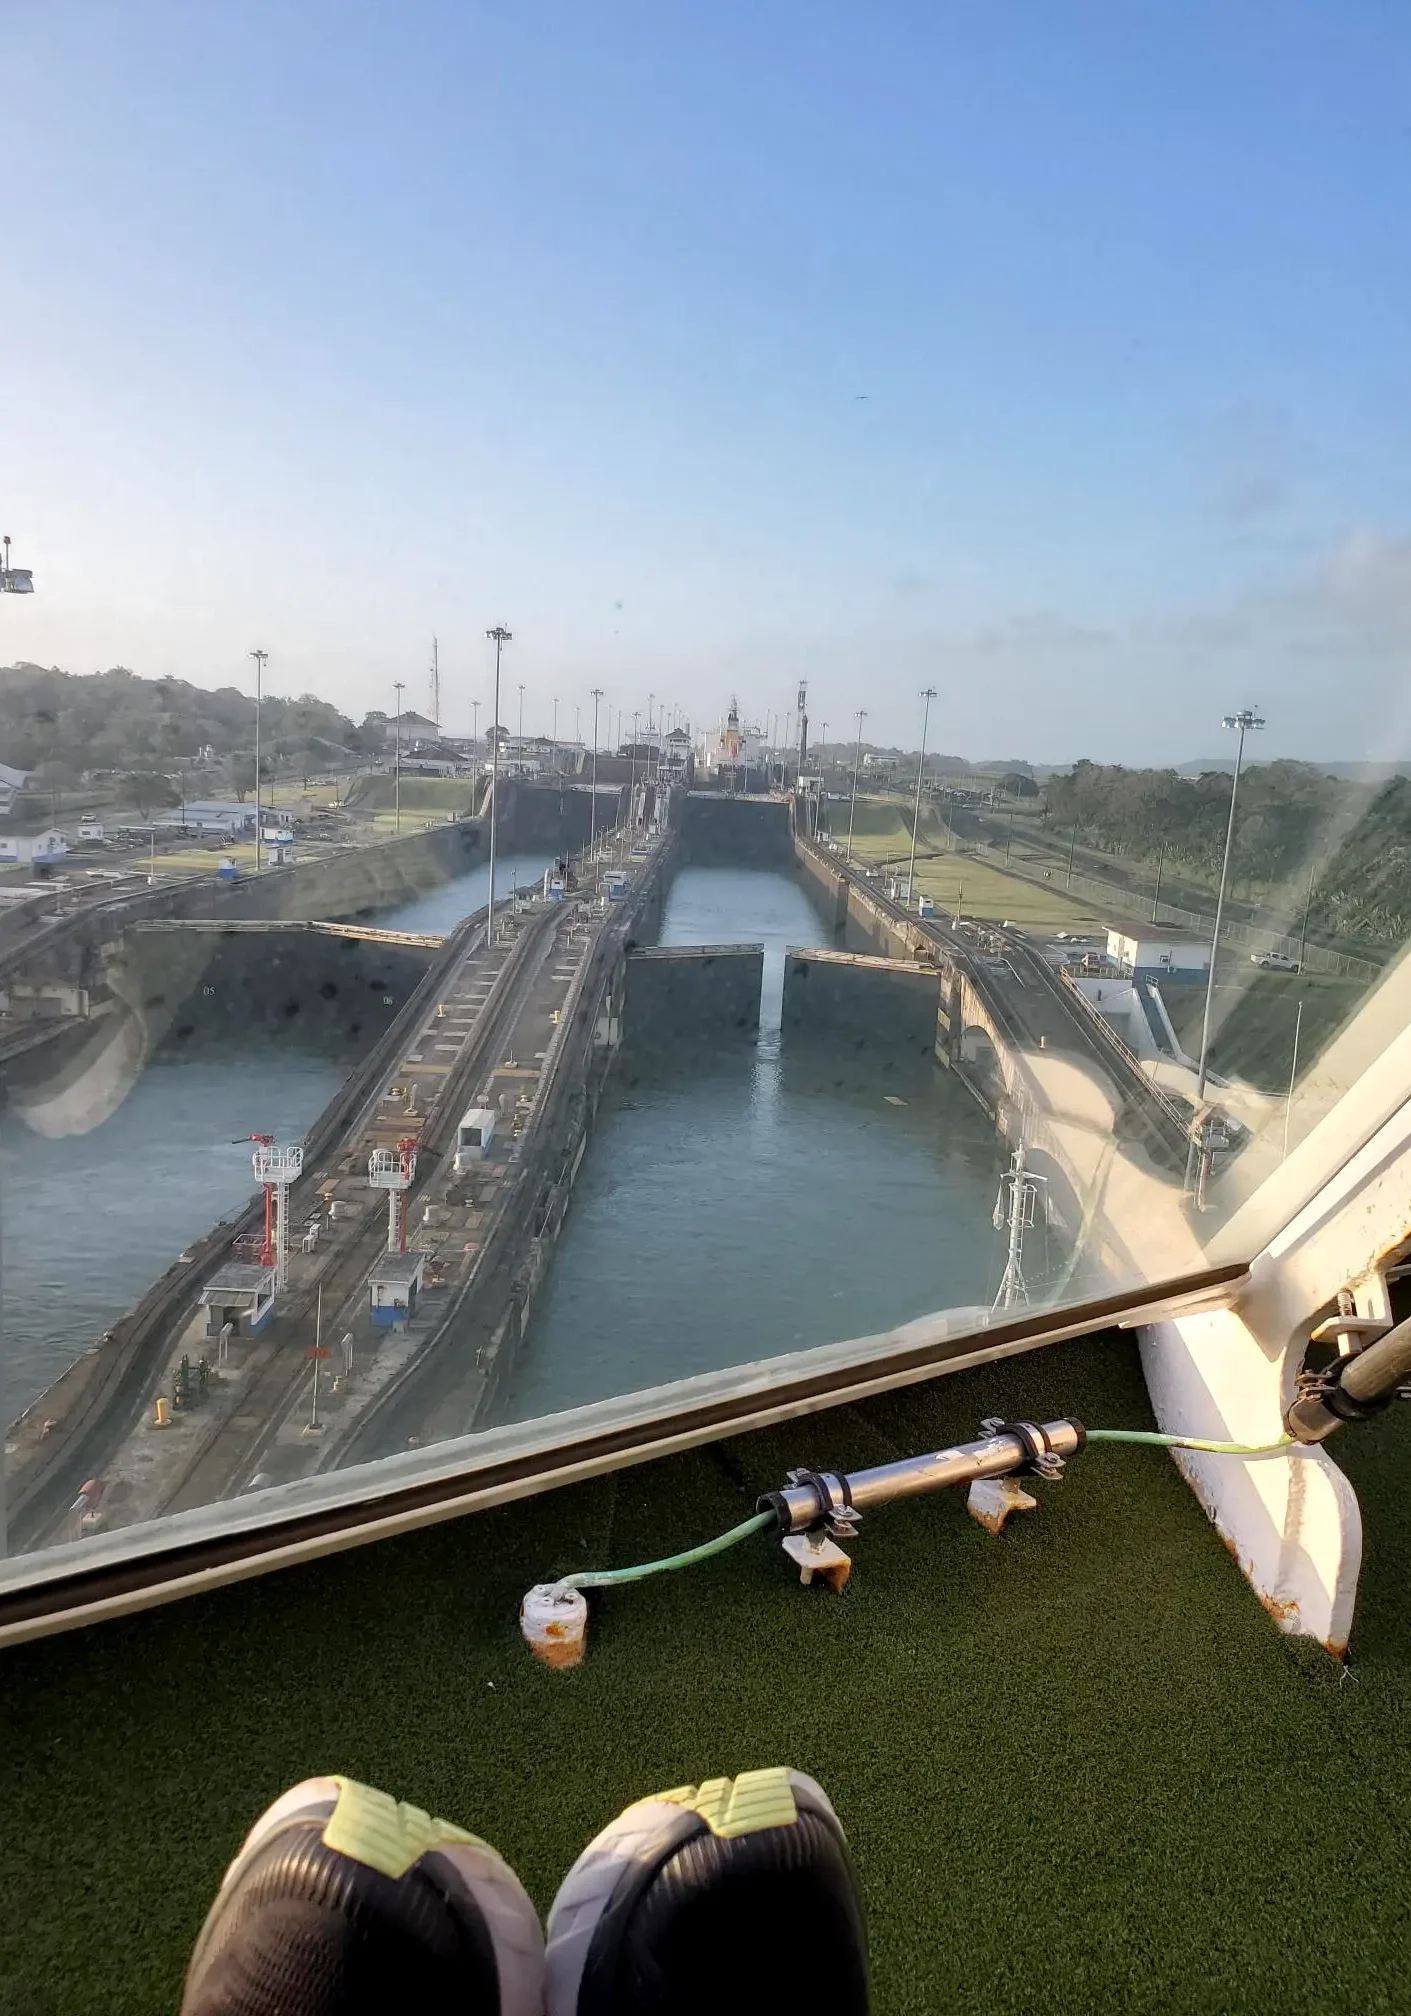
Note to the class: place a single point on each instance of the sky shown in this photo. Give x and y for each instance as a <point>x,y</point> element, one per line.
<point>1053,356</point>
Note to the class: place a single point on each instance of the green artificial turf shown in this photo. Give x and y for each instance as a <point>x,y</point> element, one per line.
<point>1079,1767</point>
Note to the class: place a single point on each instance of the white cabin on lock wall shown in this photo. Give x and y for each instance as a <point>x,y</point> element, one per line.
<point>1187,958</point>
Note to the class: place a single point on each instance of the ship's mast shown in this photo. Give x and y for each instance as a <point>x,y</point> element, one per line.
<point>1016,1207</point>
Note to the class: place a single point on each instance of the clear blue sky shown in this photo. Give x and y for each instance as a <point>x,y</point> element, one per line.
<point>328,326</point>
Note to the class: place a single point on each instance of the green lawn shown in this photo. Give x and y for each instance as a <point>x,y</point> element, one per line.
<point>882,832</point>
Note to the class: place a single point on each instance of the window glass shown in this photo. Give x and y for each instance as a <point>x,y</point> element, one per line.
<point>863,537</point>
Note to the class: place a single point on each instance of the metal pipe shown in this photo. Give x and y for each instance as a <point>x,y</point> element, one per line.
<point>1359,1387</point>
<point>808,1501</point>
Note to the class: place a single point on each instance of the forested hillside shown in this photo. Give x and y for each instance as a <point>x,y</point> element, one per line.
<point>62,724</point>
<point>1291,816</point>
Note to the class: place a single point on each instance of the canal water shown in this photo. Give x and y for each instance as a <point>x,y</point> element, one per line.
<point>734,1203</point>
<point>751,1199</point>
<point>88,1222</point>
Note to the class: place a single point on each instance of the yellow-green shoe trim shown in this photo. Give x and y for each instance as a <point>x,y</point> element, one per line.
<point>374,1828</point>
<point>744,1805</point>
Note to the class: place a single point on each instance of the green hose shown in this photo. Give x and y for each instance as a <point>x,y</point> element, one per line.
<point>607,1578</point>
<point>1189,1442</point>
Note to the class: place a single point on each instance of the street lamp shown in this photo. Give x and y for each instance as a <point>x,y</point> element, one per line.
<point>1245,721</point>
<point>521,720</point>
<point>632,785</point>
<point>857,765</point>
<point>593,797</point>
<point>928,696</point>
<point>499,636</point>
<point>474,728</point>
<point>259,657</point>
<point>398,687</point>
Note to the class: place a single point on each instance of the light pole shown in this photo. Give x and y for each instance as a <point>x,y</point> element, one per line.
<point>556,731</point>
<point>259,658</point>
<point>521,719</point>
<point>593,794</point>
<point>857,765</point>
<point>632,786</point>
<point>398,687</point>
<point>474,726</point>
<point>1247,719</point>
<point>499,636</point>
<point>928,695</point>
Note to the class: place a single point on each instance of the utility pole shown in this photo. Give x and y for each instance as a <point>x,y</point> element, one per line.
<point>928,695</point>
<point>1307,906</point>
<point>260,658</point>
<point>632,787</point>
<point>1160,864</point>
<point>556,731</point>
<point>521,720</point>
<point>857,765</point>
<point>593,799</point>
<point>1009,837</point>
<point>435,686</point>
<point>1247,719</point>
<point>499,637</point>
<point>397,687</point>
<point>1072,849</point>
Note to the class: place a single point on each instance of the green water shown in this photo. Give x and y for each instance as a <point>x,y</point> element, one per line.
<point>749,1200</point>
<point>89,1221</point>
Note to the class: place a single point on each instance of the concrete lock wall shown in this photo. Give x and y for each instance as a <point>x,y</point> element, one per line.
<point>691,992</point>
<point>722,832</point>
<point>887,1004</point>
<point>341,988</point>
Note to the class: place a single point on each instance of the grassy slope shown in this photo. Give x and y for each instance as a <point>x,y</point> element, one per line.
<point>1254,1016</point>
<point>418,794</point>
<point>1079,1767</point>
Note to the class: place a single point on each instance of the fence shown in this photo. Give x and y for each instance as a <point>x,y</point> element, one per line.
<point>1250,937</point>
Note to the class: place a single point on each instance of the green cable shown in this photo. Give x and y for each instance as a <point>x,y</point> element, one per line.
<point>606,1578</point>
<point>1189,1442</point>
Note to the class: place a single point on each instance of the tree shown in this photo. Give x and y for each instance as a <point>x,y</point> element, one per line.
<point>149,791</point>
<point>242,776</point>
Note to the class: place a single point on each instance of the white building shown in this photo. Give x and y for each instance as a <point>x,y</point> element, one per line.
<point>1170,956</point>
<point>39,850</point>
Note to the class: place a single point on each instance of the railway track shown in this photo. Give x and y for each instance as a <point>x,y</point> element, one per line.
<point>232,1453</point>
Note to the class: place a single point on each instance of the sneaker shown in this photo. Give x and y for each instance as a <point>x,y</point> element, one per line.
<point>735,1895</point>
<point>341,1901</point>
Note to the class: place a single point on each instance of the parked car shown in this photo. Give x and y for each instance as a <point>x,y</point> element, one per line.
<point>1274,962</point>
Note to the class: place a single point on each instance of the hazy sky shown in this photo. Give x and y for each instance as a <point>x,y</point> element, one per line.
<point>1053,354</point>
